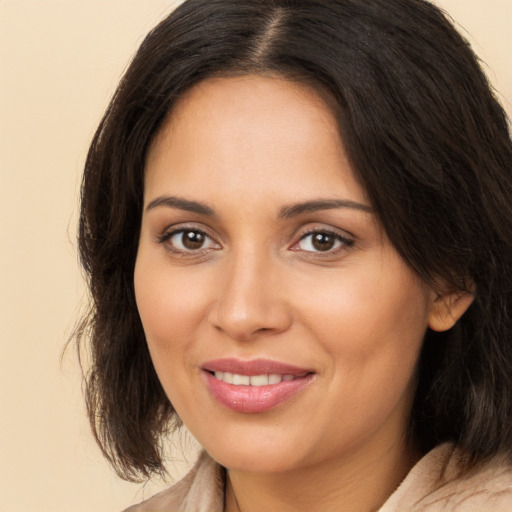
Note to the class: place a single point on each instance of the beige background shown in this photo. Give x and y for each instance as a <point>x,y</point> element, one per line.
<point>59,63</point>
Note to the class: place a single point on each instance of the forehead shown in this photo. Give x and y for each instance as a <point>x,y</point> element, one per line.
<point>259,132</point>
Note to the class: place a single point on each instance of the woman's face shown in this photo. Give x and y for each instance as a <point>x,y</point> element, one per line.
<point>260,259</point>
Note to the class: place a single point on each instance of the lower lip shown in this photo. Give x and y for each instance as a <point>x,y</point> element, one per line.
<point>254,399</point>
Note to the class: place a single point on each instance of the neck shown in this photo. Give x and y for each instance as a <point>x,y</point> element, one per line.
<point>361,481</point>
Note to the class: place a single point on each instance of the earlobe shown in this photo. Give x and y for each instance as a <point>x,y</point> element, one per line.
<point>446,310</point>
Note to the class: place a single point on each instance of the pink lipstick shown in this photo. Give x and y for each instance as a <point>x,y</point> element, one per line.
<point>254,386</point>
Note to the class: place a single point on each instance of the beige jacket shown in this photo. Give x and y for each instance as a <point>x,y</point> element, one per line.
<point>433,485</point>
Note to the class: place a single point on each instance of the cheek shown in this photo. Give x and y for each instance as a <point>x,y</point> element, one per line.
<point>159,306</point>
<point>169,311</point>
<point>371,323</point>
<point>368,305</point>
<point>169,304</point>
<point>372,332</point>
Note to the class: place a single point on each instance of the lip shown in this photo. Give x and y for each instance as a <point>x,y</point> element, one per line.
<point>253,367</point>
<point>254,399</point>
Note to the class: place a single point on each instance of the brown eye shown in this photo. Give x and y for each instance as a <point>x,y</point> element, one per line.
<point>189,240</point>
<point>192,239</point>
<point>323,241</point>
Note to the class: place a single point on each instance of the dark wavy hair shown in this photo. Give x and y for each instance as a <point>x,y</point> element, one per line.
<point>428,142</point>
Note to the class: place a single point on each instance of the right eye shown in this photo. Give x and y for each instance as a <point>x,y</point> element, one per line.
<point>188,240</point>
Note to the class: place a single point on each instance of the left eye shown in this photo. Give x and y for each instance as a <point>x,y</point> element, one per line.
<point>187,240</point>
<point>321,241</point>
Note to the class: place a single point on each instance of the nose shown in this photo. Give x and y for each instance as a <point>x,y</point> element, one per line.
<point>251,300</point>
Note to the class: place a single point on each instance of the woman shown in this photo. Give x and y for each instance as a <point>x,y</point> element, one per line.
<point>297,227</point>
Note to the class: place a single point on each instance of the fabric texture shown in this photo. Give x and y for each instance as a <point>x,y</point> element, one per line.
<point>434,484</point>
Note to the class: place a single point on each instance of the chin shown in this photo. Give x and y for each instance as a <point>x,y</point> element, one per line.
<point>249,461</point>
<point>255,453</point>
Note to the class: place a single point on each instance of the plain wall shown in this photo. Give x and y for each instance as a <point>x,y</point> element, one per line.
<point>59,64</point>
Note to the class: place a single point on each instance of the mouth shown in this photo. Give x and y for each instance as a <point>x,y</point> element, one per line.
<point>255,380</point>
<point>254,386</point>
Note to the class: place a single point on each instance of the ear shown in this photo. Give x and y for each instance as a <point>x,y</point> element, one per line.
<point>446,309</point>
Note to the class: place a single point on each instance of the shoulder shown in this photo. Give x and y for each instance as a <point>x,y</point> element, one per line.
<point>437,484</point>
<point>200,490</point>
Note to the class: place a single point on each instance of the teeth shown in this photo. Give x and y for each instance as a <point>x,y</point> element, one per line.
<point>259,380</point>
<point>274,378</point>
<point>241,380</point>
<point>254,380</point>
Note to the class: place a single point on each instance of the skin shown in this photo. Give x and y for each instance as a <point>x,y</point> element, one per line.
<point>355,314</point>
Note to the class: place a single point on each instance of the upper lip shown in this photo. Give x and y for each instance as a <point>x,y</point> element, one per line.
<point>253,367</point>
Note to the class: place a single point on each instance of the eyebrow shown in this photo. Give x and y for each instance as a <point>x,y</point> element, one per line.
<point>181,204</point>
<point>321,204</point>
<point>286,212</point>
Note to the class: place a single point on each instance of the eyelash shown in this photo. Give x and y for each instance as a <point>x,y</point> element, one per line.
<point>343,242</point>
<point>165,239</point>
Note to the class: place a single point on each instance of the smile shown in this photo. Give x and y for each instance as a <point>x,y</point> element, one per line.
<point>254,386</point>
<point>254,380</point>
